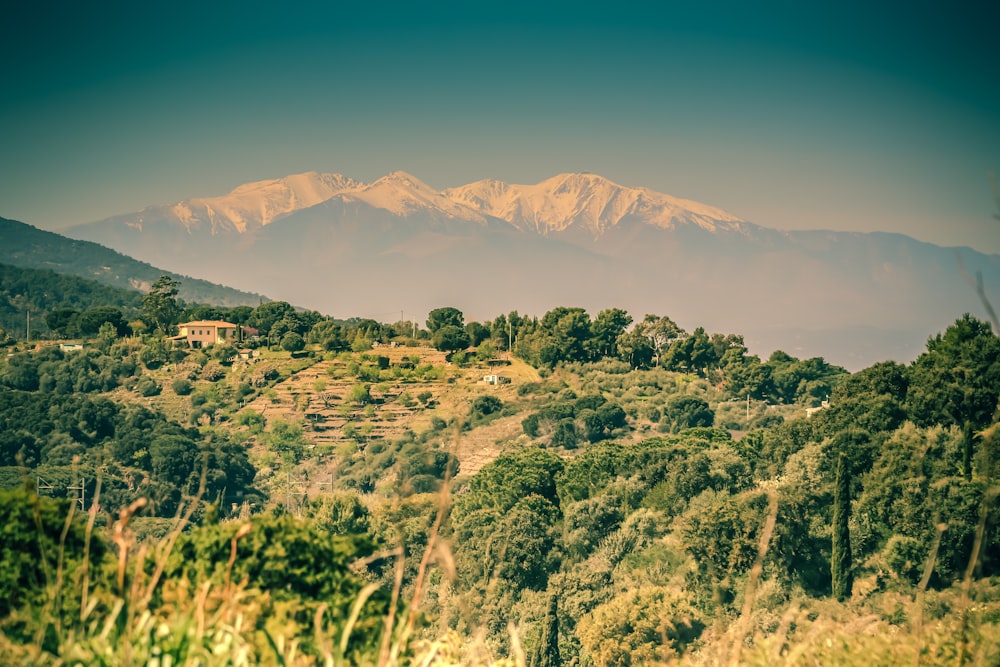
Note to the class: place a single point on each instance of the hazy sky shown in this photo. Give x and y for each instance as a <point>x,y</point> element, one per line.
<point>866,116</point>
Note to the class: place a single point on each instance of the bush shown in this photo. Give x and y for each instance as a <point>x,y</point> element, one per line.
<point>648,625</point>
<point>30,536</point>
<point>315,574</point>
<point>182,387</point>
<point>147,386</point>
<point>292,342</point>
<point>487,405</point>
<point>213,372</point>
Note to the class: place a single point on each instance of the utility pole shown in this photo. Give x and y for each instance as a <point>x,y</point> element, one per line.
<point>42,485</point>
<point>329,484</point>
<point>289,493</point>
<point>81,487</point>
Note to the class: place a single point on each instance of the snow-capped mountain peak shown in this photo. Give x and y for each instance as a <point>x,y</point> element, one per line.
<point>585,200</point>
<point>403,194</point>
<point>259,203</point>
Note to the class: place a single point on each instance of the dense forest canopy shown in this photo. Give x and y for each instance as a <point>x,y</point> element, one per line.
<point>636,494</point>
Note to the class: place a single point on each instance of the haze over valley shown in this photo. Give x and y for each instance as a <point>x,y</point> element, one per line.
<point>332,243</point>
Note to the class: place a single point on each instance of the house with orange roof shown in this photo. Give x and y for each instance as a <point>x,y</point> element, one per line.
<point>202,333</point>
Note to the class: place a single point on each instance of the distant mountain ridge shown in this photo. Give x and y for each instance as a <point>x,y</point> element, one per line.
<point>347,248</point>
<point>553,205</point>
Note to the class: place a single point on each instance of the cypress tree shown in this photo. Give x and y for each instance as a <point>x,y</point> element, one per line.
<point>968,442</point>
<point>546,653</point>
<point>840,565</point>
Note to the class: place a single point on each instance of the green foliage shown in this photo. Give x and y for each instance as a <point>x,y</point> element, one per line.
<point>292,342</point>
<point>292,560</point>
<point>55,301</point>
<point>147,386</point>
<point>958,379</point>
<point>842,575</point>
<point>721,531</point>
<point>40,541</point>
<point>134,446</point>
<point>341,513</point>
<point>444,317</point>
<point>160,308</point>
<point>450,338</point>
<point>683,412</point>
<point>562,335</point>
<point>546,653</point>
<point>486,405</point>
<point>360,394</point>
<point>511,477</point>
<point>587,522</point>
<point>329,335</point>
<point>181,387</point>
<point>52,371</point>
<point>89,322</point>
<point>285,439</point>
<point>648,625</point>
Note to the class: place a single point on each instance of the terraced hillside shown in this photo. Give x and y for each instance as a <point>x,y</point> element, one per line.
<point>346,404</point>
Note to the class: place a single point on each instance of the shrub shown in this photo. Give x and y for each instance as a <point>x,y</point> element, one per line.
<point>213,372</point>
<point>182,387</point>
<point>147,386</point>
<point>30,535</point>
<point>487,405</point>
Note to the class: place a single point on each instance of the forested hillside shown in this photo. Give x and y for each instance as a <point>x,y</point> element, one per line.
<point>563,490</point>
<point>32,248</point>
<point>48,296</point>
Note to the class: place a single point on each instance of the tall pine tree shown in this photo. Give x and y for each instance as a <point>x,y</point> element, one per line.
<point>840,565</point>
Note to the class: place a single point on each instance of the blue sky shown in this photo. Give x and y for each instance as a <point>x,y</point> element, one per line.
<point>875,116</point>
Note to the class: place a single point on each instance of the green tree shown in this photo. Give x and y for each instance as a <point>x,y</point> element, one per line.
<point>442,317</point>
<point>607,328</point>
<point>62,322</point>
<point>298,563</point>
<point>647,625</point>
<point>660,333</point>
<point>267,314</point>
<point>160,308</point>
<point>89,322</point>
<point>450,338</point>
<point>510,477</point>
<point>684,412</point>
<point>563,334</point>
<point>840,567</point>
<point>958,379</point>
<point>635,349</point>
<point>292,342</point>
<point>487,405</point>
<point>692,354</point>
<point>329,335</point>
<point>546,652</point>
<point>477,333</point>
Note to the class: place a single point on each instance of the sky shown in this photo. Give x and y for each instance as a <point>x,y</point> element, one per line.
<point>875,116</point>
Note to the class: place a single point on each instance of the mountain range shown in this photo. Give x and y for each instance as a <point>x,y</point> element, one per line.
<point>399,246</point>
